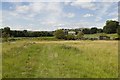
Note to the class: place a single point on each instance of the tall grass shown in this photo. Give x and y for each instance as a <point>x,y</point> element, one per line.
<point>99,34</point>
<point>70,59</point>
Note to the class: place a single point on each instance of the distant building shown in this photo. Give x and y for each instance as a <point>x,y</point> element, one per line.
<point>71,32</point>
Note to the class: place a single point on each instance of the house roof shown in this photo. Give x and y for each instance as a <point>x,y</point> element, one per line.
<point>71,32</point>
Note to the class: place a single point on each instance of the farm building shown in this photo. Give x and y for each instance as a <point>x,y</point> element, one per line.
<point>72,32</point>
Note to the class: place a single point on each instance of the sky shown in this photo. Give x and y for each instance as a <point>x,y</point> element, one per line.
<point>49,16</point>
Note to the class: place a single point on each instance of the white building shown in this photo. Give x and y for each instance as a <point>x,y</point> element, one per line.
<point>71,32</point>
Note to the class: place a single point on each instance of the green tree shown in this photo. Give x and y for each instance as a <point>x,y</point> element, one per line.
<point>93,30</point>
<point>100,31</point>
<point>118,31</point>
<point>25,32</point>
<point>6,33</point>
<point>80,35</point>
<point>1,30</point>
<point>111,27</point>
<point>70,37</point>
<point>6,30</point>
<point>86,31</point>
<point>5,36</point>
<point>59,34</point>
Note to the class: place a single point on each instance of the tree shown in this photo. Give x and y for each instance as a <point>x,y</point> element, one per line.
<point>70,37</point>
<point>59,34</point>
<point>1,30</point>
<point>80,35</point>
<point>6,30</point>
<point>5,36</point>
<point>93,30</point>
<point>111,27</point>
<point>25,33</point>
<point>99,30</point>
<point>86,31</point>
<point>6,33</point>
<point>118,31</point>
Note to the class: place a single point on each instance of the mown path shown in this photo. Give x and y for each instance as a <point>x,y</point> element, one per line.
<point>60,59</point>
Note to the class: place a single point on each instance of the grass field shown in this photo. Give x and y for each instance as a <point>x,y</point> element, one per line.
<point>60,59</point>
<point>98,34</point>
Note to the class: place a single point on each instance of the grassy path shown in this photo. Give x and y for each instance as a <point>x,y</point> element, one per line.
<point>56,59</point>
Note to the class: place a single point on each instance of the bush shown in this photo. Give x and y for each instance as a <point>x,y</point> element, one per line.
<point>80,35</point>
<point>70,37</point>
<point>59,34</point>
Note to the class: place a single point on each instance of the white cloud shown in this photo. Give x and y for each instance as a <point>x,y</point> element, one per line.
<point>116,19</point>
<point>85,5</point>
<point>22,9</point>
<point>1,20</point>
<point>84,0</point>
<point>103,10</point>
<point>13,14</point>
<point>98,18</point>
<point>108,0</point>
<point>52,11</point>
<point>70,15</point>
<point>113,14</point>
<point>37,7</point>
<point>58,0</point>
<point>47,15</point>
<point>87,15</point>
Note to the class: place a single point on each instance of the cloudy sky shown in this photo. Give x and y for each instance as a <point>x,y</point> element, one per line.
<point>55,15</point>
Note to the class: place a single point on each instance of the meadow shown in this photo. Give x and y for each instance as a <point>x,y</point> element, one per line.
<point>32,58</point>
<point>98,34</point>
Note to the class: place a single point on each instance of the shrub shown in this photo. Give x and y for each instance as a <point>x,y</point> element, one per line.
<point>80,35</point>
<point>59,34</point>
<point>70,37</point>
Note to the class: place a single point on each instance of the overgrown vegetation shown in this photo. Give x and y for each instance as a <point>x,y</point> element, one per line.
<point>60,59</point>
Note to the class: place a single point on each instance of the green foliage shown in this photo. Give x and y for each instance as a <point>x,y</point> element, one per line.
<point>6,33</point>
<point>80,35</point>
<point>5,36</point>
<point>118,30</point>
<point>103,34</point>
<point>93,30</point>
<point>111,26</point>
<point>26,33</point>
<point>6,30</point>
<point>86,31</point>
<point>100,34</point>
<point>70,37</point>
<point>65,59</point>
<point>59,34</point>
<point>1,30</point>
<point>100,31</point>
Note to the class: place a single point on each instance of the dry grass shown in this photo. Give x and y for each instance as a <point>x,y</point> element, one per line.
<point>56,59</point>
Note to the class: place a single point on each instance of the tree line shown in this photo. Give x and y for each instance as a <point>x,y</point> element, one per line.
<point>25,33</point>
<point>6,32</point>
<point>109,28</point>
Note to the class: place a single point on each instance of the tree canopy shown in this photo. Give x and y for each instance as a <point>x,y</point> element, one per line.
<point>59,34</point>
<point>111,27</point>
<point>93,30</point>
